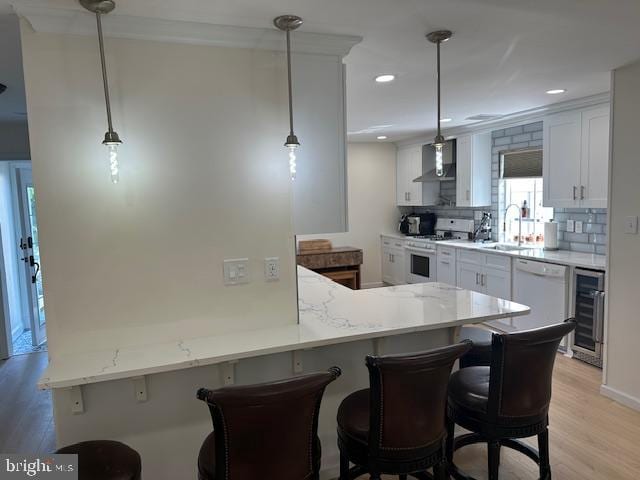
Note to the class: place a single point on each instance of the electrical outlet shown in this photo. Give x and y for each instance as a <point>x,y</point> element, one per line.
<point>236,271</point>
<point>272,269</point>
<point>578,227</point>
<point>631,225</point>
<point>570,226</point>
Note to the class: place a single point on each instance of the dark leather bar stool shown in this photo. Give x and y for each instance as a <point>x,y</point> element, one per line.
<point>397,426</point>
<point>508,400</point>
<point>105,460</point>
<point>265,431</point>
<point>480,353</point>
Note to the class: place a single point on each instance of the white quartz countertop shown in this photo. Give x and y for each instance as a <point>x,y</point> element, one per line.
<point>561,257</point>
<point>329,314</point>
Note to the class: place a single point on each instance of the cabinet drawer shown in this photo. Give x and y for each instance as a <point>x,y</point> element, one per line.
<point>470,256</point>
<point>446,253</point>
<point>499,262</point>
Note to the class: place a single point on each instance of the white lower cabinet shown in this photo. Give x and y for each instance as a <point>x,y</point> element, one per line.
<point>484,273</point>
<point>393,261</point>
<point>446,268</point>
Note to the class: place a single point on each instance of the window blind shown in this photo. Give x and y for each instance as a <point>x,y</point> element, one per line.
<point>521,164</point>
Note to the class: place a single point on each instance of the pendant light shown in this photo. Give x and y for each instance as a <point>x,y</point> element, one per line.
<point>111,139</point>
<point>439,37</point>
<point>287,23</point>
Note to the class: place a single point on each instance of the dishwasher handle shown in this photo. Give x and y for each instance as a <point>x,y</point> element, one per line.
<point>541,269</point>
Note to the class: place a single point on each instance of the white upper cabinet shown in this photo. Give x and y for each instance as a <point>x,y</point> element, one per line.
<point>409,166</point>
<point>576,159</point>
<point>594,171</point>
<point>473,170</point>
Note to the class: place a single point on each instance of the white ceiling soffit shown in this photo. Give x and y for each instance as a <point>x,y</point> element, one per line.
<point>80,22</point>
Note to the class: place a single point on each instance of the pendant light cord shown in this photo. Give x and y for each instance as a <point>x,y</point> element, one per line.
<point>438,78</point>
<point>104,72</point>
<point>289,79</point>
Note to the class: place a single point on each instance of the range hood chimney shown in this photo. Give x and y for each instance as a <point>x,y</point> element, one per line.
<point>429,163</point>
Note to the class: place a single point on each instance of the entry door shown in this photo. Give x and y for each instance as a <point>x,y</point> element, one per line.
<point>30,246</point>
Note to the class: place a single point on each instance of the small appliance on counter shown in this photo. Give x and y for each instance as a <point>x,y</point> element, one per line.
<point>418,224</point>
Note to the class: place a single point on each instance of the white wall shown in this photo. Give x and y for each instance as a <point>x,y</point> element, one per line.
<point>622,379</point>
<point>14,140</point>
<point>371,173</point>
<point>204,178</point>
<point>11,252</point>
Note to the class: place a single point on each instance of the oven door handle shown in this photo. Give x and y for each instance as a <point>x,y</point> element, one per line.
<point>420,251</point>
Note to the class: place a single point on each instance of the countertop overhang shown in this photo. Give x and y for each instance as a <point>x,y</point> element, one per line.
<point>329,314</point>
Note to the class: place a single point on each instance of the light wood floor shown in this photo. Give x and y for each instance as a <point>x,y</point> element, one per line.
<point>592,437</point>
<point>26,414</point>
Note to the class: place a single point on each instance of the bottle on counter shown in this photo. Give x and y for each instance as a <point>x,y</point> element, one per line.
<point>525,209</point>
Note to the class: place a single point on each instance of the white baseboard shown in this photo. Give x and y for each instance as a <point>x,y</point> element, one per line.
<point>620,397</point>
<point>372,285</point>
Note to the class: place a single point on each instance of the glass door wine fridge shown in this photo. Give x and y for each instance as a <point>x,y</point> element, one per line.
<point>589,315</point>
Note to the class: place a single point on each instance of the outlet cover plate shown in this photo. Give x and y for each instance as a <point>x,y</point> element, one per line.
<point>578,227</point>
<point>570,226</point>
<point>272,269</point>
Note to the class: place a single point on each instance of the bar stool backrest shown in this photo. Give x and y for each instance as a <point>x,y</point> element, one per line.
<point>521,372</point>
<point>408,399</point>
<point>268,430</point>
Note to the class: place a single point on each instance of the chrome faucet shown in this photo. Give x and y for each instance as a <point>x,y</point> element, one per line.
<point>504,224</point>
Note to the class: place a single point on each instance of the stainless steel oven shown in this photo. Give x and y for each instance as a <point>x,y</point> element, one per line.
<point>421,262</point>
<point>589,314</point>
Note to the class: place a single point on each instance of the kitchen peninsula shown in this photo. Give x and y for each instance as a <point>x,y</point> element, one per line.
<point>337,326</point>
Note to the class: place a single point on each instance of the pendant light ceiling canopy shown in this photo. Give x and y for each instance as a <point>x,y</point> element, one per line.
<point>288,23</point>
<point>438,37</point>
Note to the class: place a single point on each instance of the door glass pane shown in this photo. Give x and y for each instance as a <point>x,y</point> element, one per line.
<point>33,225</point>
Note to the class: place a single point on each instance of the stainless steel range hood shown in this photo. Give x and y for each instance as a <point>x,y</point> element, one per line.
<point>429,163</point>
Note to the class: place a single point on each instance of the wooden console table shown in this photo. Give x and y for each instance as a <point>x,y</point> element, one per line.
<point>340,264</point>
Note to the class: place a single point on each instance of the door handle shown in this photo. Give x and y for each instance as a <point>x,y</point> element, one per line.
<point>581,192</point>
<point>575,192</point>
<point>35,275</point>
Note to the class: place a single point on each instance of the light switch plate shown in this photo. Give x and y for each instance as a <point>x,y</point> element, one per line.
<point>570,226</point>
<point>631,225</point>
<point>578,227</point>
<point>236,271</point>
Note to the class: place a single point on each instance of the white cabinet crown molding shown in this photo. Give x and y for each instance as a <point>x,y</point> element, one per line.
<point>514,119</point>
<point>79,22</point>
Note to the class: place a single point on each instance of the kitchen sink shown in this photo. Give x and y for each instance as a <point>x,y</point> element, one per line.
<point>505,247</point>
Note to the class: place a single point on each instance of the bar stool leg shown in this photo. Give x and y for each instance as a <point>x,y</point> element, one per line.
<point>494,459</point>
<point>402,477</point>
<point>451,428</point>
<point>440,471</point>
<point>543,450</point>
<point>344,467</point>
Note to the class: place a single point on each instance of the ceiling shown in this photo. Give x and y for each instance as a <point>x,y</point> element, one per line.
<point>503,57</point>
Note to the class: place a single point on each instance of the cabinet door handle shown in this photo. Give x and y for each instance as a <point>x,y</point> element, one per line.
<point>448,254</point>
<point>581,192</point>
<point>393,258</point>
<point>477,277</point>
<point>409,196</point>
<point>575,192</point>
<point>483,279</point>
<point>468,194</point>
<point>444,262</point>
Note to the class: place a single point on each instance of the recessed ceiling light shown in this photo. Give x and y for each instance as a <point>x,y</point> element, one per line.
<point>556,91</point>
<point>385,78</point>
<point>445,120</point>
<point>381,137</point>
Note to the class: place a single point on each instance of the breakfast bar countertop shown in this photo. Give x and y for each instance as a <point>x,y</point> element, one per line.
<point>329,314</point>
